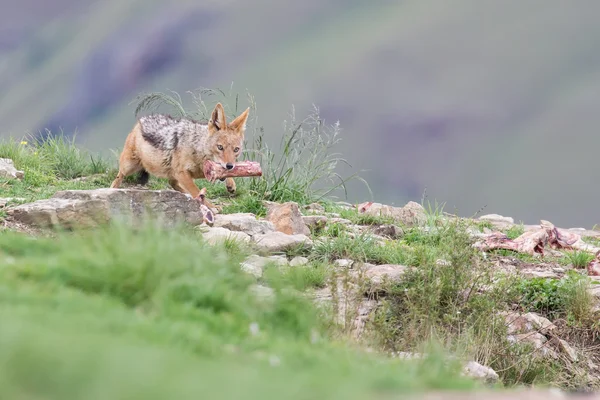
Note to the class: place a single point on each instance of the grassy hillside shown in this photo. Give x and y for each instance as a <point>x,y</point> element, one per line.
<point>150,312</point>
<point>481,103</point>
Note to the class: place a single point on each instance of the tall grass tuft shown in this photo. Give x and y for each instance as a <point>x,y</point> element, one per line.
<point>56,157</point>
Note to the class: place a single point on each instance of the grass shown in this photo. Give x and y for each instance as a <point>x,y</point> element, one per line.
<point>457,303</point>
<point>579,259</point>
<point>365,219</point>
<point>515,231</point>
<point>566,298</point>
<point>166,315</point>
<point>313,275</point>
<point>91,301</point>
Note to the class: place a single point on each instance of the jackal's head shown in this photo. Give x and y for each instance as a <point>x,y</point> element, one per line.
<point>226,139</point>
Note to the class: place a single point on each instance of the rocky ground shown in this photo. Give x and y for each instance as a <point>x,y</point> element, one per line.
<point>352,246</point>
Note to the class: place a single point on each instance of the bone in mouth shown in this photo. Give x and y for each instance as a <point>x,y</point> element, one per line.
<point>214,171</point>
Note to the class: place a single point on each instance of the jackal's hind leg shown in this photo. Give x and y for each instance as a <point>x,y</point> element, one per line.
<point>128,165</point>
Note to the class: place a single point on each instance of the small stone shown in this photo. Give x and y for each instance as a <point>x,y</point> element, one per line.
<point>527,323</point>
<point>565,348</point>
<point>410,215</point>
<point>389,231</point>
<point>315,207</point>
<point>298,261</point>
<point>215,235</point>
<point>497,218</point>
<point>263,292</point>
<point>480,372</point>
<point>377,273</point>
<point>254,329</point>
<point>536,339</point>
<point>252,269</point>
<point>278,241</point>
<point>343,263</point>
<point>244,222</point>
<point>287,219</point>
<point>344,204</point>
<point>8,170</point>
<point>342,221</point>
<point>314,221</point>
<point>255,264</point>
<point>5,200</point>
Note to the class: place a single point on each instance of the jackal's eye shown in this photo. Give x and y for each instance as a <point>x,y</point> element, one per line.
<point>236,149</point>
<point>220,147</point>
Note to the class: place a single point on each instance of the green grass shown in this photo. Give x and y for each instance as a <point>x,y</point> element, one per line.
<point>515,231</point>
<point>153,313</point>
<point>457,303</point>
<point>556,298</point>
<point>592,240</point>
<point>89,301</point>
<point>579,259</point>
<point>312,275</point>
<point>365,219</point>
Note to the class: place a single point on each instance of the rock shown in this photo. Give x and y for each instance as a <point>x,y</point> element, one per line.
<point>507,394</point>
<point>480,372</point>
<point>554,273</point>
<point>287,219</point>
<point>252,269</point>
<point>344,204</point>
<point>5,200</point>
<point>263,292</point>
<point>89,208</point>
<point>347,302</point>
<point>388,231</point>
<point>536,339</point>
<point>244,222</point>
<point>363,312</point>
<point>278,241</point>
<point>256,264</point>
<point>376,275</point>
<point>526,323</point>
<point>214,235</point>
<point>565,348</point>
<point>497,218</point>
<point>343,263</point>
<point>8,170</point>
<point>315,207</point>
<point>471,369</point>
<point>410,215</point>
<point>298,261</point>
<point>337,220</point>
<point>264,261</point>
<point>594,288</point>
<point>314,221</point>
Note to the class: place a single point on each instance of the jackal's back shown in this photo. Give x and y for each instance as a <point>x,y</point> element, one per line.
<point>166,133</point>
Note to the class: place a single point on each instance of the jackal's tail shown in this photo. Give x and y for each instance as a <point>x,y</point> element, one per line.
<point>143,177</point>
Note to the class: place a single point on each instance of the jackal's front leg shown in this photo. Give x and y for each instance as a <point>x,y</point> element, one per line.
<point>230,185</point>
<point>186,182</point>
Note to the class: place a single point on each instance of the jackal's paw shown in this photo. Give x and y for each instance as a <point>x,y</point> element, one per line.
<point>230,185</point>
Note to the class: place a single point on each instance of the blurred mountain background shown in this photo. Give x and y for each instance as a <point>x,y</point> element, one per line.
<point>481,102</point>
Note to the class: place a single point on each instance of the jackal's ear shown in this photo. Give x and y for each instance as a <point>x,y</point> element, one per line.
<point>217,119</point>
<point>239,124</point>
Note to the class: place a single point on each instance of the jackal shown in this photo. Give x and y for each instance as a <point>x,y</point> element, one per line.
<point>176,149</point>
